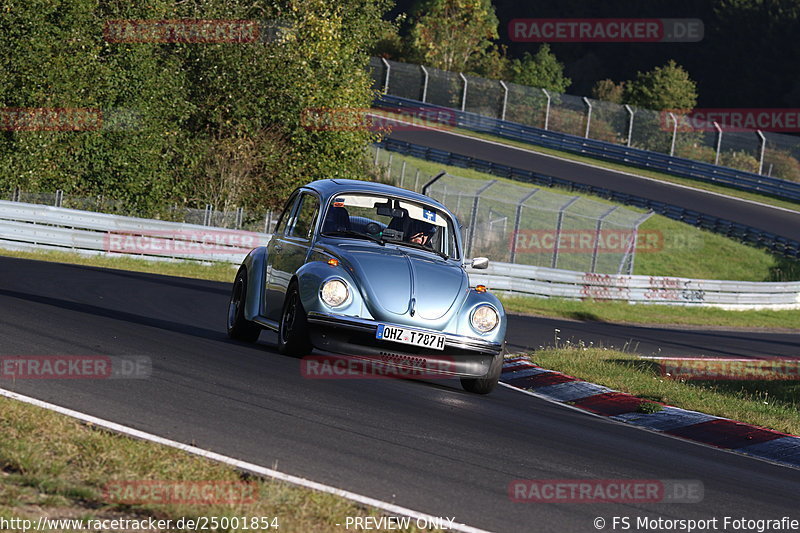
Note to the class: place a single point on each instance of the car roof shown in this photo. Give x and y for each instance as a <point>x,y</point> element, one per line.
<point>329,187</point>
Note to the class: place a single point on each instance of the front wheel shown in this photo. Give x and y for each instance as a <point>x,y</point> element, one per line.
<point>486,384</point>
<point>239,327</point>
<point>293,332</point>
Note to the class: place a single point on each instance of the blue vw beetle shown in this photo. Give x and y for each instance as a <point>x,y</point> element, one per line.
<point>374,271</point>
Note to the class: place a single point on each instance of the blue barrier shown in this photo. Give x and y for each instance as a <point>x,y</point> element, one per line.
<point>750,235</point>
<point>602,150</point>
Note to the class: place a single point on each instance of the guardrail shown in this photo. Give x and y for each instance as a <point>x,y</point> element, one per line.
<point>36,227</point>
<point>748,234</point>
<point>605,151</point>
<point>548,282</point>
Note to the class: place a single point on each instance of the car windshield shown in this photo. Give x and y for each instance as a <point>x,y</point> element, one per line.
<point>389,219</point>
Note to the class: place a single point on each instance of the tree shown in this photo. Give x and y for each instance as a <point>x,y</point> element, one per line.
<point>663,88</point>
<point>448,34</point>
<point>608,91</point>
<point>541,70</point>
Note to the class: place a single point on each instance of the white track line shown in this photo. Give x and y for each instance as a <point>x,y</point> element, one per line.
<point>236,463</point>
<point>599,167</point>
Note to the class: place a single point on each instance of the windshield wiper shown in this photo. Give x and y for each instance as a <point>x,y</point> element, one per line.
<point>351,233</point>
<point>420,247</point>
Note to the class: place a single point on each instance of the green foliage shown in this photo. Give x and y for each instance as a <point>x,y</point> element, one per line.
<point>608,91</point>
<point>540,70</point>
<point>663,88</point>
<point>451,34</point>
<point>185,103</point>
<point>739,159</point>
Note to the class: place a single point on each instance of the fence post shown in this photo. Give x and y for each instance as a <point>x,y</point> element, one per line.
<point>517,218</point>
<point>389,174</point>
<point>377,153</point>
<point>547,109</point>
<point>559,223</point>
<point>402,174</point>
<point>588,116</point>
<point>424,84</point>
<point>598,229</point>
<point>630,124</point>
<point>505,100</point>
<point>59,197</point>
<point>416,181</point>
<point>674,133</point>
<point>15,196</point>
<point>207,215</point>
<point>473,219</point>
<point>631,251</point>
<point>464,94</point>
<point>386,78</point>
<point>239,217</point>
<point>719,143</point>
<point>763,148</point>
<point>267,221</point>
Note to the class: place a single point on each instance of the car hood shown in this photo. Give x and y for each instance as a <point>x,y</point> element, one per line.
<point>403,285</point>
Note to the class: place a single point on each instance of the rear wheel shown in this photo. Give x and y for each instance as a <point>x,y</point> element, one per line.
<point>239,327</point>
<point>293,333</point>
<point>486,384</point>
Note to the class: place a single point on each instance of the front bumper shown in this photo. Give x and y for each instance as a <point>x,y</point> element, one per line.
<point>462,356</point>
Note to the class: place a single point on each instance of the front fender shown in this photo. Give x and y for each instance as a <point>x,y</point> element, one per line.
<point>255,263</point>
<point>310,278</point>
<point>462,325</point>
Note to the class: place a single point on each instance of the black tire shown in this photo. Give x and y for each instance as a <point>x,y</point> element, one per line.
<point>486,384</point>
<point>293,331</point>
<point>239,327</point>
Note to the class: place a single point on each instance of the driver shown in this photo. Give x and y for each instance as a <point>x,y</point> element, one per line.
<point>420,232</point>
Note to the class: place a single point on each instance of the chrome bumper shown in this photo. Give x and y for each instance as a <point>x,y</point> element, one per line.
<point>362,325</point>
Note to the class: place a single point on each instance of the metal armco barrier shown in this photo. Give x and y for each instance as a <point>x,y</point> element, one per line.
<point>548,282</point>
<point>605,151</point>
<point>750,235</point>
<point>36,227</point>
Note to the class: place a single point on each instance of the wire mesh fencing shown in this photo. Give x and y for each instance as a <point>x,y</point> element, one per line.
<point>516,223</point>
<point>692,136</point>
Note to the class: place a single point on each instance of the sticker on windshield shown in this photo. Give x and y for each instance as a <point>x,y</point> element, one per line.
<point>429,215</point>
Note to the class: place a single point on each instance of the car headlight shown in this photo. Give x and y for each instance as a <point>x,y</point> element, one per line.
<point>334,292</point>
<point>484,318</point>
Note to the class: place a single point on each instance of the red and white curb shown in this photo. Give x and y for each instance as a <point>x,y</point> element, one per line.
<point>521,373</point>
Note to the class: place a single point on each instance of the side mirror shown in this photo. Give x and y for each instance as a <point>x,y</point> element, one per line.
<point>480,263</point>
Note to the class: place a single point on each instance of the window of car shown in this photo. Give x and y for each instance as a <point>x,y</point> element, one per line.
<point>391,219</point>
<point>280,227</point>
<point>305,217</point>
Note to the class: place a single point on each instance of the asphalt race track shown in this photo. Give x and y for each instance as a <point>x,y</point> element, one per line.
<point>424,445</point>
<point>779,222</point>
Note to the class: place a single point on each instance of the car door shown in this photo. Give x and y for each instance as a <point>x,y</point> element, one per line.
<point>290,250</point>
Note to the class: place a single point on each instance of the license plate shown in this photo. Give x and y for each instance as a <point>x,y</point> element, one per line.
<point>413,337</point>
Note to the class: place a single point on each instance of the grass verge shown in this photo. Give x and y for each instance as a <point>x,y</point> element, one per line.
<point>630,169</point>
<point>54,466</point>
<point>625,313</point>
<point>771,404</point>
